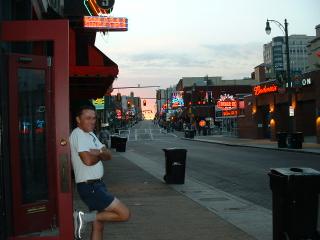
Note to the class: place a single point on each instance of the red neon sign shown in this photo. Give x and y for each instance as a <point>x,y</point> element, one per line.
<point>108,23</point>
<point>227,104</point>
<point>258,90</point>
<point>230,113</point>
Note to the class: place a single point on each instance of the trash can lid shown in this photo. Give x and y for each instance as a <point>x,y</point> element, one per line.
<point>174,149</point>
<point>297,171</point>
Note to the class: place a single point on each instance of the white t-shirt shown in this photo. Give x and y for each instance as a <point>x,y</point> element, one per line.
<point>81,141</point>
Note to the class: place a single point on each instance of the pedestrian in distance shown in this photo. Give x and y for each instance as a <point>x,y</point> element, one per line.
<point>87,154</point>
<point>104,134</point>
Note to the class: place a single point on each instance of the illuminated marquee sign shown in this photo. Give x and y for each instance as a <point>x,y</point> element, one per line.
<point>259,90</point>
<point>177,99</point>
<point>227,102</point>
<point>105,23</point>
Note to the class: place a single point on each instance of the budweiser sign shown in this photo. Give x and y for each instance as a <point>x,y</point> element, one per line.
<point>259,90</point>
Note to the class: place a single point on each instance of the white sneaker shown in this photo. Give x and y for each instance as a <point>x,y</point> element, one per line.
<point>78,223</point>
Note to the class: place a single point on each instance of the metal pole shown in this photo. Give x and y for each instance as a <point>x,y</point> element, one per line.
<point>291,125</point>
<point>167,100</point>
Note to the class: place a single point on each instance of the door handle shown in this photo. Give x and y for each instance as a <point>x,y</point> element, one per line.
<point>63,142</point>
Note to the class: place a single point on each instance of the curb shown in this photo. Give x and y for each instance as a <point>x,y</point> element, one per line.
<point>252,146</point>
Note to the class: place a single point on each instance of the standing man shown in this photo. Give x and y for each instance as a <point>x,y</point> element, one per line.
<point>87,154</point>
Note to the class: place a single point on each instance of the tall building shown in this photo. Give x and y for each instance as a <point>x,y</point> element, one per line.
<point>274,55</point>
<point>314,52</point>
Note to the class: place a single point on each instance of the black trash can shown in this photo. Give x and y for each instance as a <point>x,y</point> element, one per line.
<point>175,165</point>
<point>189,133</point>
<point>114,141</point>
<point>295,140</point>
<point>282,139</point>
<point>205,131</point>
<point>295,194</point>
<point>121,144</point>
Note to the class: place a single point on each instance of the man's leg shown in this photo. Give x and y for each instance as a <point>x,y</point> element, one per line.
<point>116,212</point>
<point>97,230</point>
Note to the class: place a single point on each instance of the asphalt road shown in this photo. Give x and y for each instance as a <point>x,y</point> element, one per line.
<point>239,171</point>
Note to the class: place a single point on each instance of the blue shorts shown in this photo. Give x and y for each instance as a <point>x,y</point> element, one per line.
<point>95,195</point>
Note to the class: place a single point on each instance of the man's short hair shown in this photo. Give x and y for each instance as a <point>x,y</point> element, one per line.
<point>84,107</point>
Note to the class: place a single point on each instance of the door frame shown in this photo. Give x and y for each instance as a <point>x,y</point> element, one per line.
<point>42,30</point>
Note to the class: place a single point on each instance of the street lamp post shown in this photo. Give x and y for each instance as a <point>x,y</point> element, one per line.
<point>291,125</point>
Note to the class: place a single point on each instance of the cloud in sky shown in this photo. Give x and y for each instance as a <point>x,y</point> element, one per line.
<point>170,39</point>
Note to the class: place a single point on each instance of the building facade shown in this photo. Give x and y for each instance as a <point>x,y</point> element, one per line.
<point>266,109</point>
<point>314,52</point>
<point>274,55</point>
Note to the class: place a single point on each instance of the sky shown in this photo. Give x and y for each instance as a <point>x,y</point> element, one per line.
<point>170,39</point>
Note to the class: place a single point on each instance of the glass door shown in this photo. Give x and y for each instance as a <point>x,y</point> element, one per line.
<point>31,146</point>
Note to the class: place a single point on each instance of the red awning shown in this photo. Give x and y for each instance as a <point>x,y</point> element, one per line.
<point>91,72</point>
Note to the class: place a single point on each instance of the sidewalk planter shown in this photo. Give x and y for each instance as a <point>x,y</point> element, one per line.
<point>295,203</point>
<point>114,140</point>
<point>295,140</point>
<point>175,165</point>
<point>121,144</point>
<point>282,139</point>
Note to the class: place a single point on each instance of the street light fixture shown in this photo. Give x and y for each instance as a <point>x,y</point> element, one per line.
<point>284,29</point>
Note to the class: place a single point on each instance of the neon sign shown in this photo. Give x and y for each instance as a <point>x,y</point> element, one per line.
<point>118,113</point>
<point>177,99</point>
<point>227,102</point>
<point>230,113</point>
<point>98,103</point>
<point>258,90</point>
<point>99,7</point>
<point>106,23</point>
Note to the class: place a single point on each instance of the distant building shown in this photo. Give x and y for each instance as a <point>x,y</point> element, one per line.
<point>212,81</point>
<point>274,55</point>
<point>314,52</point>
<point>202,94</point>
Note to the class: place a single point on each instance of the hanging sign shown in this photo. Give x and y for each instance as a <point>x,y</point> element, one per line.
<point>105,23</point>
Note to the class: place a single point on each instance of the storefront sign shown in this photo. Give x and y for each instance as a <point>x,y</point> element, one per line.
<point>227,102</point>
<point>98,103</point>
<point>302,82</point>
<point>105,23</point>
<point>177,99</point>
<point>229,113</point>
<point>259,90</point>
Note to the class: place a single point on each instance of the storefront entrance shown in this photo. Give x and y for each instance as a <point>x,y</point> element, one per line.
<point>39,203</point>
<point>30,118</point>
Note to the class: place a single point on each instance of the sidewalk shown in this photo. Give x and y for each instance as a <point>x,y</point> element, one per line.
<point>158,211</point>
<point>308,146</point>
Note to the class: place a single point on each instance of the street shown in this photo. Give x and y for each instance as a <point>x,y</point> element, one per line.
<point>239,171</point>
